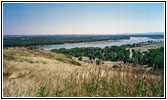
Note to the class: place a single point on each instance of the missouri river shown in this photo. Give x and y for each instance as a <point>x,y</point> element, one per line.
<point>132,40</point>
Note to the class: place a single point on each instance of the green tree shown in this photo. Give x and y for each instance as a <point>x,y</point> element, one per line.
<point>80,58</point>
<point>98,62</point>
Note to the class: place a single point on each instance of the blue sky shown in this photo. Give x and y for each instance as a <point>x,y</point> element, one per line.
<point>82,18</point>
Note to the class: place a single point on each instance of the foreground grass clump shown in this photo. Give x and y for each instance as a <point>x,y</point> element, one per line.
<point>42,92</point>
<point>58,79</point>
<point>97,82</point>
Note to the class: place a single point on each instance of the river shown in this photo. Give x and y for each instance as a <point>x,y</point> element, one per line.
<point>132,40</point>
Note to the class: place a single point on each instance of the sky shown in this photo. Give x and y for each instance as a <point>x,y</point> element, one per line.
<point>82,18</point>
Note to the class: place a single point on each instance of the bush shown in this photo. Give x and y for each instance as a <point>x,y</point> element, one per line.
<point>98,62</point>
<point>115,66</point>
<point>80,58</point>
<point>31,61</point>
<point>31,48</point>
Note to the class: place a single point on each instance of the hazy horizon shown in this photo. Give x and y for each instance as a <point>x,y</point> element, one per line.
<point>152,33</point>
<point>82,18</point>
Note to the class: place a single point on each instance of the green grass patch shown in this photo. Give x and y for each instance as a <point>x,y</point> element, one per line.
<point>74,62</point>
<point>42,92</point>
<point>60,59</point>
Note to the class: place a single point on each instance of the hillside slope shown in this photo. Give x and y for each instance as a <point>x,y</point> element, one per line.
<point>24,68</point>
<point>29,72</point>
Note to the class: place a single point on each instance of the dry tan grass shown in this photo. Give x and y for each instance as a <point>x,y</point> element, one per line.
<point>29,68</point>
<point>31,73</point>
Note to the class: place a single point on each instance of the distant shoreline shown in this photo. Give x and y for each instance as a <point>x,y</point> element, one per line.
<point>85,43</point>
<point>100,44</point>
<point>95,42</point>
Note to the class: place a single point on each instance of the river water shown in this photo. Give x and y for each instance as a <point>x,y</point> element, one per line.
<point>132,40</point>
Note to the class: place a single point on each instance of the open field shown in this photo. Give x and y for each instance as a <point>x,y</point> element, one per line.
<point>41,73</point>
<point>150,46</point>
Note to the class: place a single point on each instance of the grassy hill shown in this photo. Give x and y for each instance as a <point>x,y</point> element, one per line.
<point>29,72</point>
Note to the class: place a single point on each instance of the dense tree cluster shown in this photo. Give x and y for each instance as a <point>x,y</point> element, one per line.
<point>114,53</point>
<point>153,58</point>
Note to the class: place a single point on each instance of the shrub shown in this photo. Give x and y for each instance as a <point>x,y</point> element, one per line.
<point>31,61</point>
<point>80,58</point>
<point>31,48</point>
<point>98,62</point>
<point>115,66</point>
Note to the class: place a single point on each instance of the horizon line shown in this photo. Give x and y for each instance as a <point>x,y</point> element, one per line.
<point>148,33</point>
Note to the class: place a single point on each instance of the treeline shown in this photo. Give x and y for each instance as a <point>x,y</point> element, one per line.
<point>113,53</point>
<point>11,41</point>
<point>19,41</point>
<point>153,58</point>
